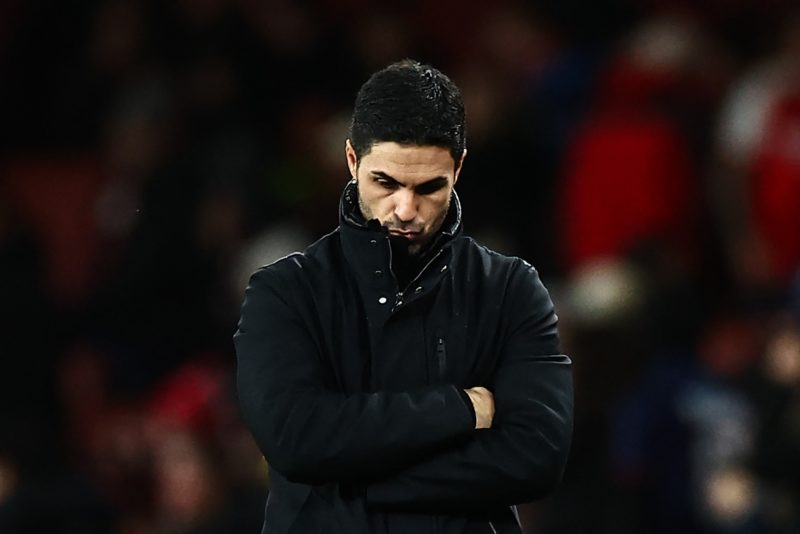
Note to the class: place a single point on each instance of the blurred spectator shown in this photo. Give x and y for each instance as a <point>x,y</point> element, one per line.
<point>683,435</point>
<point>755,185</point>
<point>630,181</point>
<point>191,417</point>
<point>776,189</point>
<point>52,195</point>
<point>776,394</point>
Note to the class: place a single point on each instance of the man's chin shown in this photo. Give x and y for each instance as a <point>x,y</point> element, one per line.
<point>413,246</point>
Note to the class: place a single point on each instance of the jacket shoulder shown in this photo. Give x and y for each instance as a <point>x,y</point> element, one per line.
<point>526,302</point>
<point>511,276</point>
<point>492,263</point>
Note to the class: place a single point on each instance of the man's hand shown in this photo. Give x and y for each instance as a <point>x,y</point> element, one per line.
<point>483,403</point>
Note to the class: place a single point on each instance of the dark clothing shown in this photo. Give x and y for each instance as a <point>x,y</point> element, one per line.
<point>353,387</point>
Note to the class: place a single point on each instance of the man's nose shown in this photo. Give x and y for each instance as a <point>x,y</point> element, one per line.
<point>405,207</point>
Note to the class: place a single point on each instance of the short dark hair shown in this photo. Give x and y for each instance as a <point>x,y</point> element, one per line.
<point>409,103</point>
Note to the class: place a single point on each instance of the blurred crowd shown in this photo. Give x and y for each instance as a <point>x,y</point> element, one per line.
<point>643,155</point>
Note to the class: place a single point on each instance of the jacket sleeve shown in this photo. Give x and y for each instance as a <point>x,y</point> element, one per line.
<point>523,455</point>
<point>311,433</point>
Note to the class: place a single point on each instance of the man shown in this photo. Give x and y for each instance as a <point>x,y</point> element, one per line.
<point>397,376</point>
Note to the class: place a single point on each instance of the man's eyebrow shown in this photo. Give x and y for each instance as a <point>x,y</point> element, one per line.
<point>381,174</point>
<point>435,182</point>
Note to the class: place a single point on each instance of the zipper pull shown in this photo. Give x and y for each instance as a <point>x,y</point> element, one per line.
<point>441,355</point>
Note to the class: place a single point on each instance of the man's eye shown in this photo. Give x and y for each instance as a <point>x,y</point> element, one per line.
<point>427,189</point>
<point>387,184</point>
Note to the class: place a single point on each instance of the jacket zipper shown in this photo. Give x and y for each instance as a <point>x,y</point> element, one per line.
<point>421,271</point>
<point>441,353</point>
<point>398,298</point>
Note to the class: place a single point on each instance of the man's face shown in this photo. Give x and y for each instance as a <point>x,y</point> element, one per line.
<point>405,187</point>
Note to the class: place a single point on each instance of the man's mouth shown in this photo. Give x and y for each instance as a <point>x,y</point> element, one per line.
<point>404,233</point>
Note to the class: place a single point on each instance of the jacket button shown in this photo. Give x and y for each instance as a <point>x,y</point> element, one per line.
<point>378,273</point>
<point>418,289</point>
<point>373,241</point>
<point>444,268</point>
<point>382,300</point>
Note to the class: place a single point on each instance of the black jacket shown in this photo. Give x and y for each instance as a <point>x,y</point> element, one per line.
<point>353,387</point>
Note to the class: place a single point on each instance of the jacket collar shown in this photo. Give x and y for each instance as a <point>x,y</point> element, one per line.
<point>368,251</point>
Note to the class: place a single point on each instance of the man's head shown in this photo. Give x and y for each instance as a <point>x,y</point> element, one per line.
<point>406,147</point>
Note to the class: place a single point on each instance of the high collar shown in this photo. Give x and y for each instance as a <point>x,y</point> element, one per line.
<point>367,249</point>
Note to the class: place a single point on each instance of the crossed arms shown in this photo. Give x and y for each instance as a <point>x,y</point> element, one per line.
<point>414,448</point>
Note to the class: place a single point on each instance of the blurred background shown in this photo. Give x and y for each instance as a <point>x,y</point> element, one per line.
<point>644,155</point>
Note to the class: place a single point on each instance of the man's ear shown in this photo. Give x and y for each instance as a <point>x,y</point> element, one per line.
<point>352,158</point>
<point>459,165</point>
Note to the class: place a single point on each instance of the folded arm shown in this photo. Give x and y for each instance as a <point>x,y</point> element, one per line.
<point>311,433</point>
<point>523,455</point>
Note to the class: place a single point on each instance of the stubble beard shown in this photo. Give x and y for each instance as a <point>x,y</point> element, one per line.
<point>413,248</point>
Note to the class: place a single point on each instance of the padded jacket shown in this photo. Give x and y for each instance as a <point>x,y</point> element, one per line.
<point>353,387</point>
